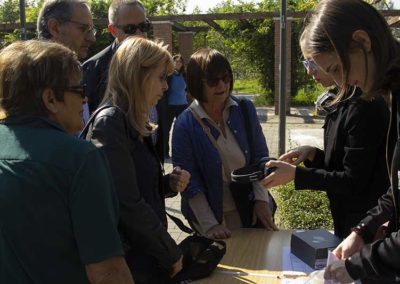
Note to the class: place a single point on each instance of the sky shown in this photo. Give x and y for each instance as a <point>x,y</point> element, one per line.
<point>204,5</point>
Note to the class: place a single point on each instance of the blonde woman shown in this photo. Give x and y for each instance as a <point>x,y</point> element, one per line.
<point>137,80</point>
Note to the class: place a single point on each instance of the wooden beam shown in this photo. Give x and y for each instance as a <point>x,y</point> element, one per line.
<point>181,28</point>
<point>214,25</point>
<point>12,27</point>
<point>102,23</point>
<point>394,21</point>
<point>178,27</point>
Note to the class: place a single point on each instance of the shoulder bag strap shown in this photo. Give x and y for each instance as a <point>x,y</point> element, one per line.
<point>247,126</point>
<point>206,129</point>
<point>180,224</point>
<point>87,127</point>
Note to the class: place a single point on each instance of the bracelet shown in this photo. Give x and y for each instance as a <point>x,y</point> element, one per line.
<point>361,230</point>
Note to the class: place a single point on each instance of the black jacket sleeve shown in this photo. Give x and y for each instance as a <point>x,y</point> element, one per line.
<point>138,222</point>
<point>168,192</point>
<point>365,135</point>
<point>380,259</point>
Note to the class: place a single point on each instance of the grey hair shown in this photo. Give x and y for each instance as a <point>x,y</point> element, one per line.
<point>113,10</point>
<point>60,10</point>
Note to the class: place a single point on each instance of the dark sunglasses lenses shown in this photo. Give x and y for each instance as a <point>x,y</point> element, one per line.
<point>212,82</point>
<point>132,29</point>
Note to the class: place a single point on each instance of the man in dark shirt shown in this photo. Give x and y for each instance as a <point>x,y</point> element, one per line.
<point>70,23</point>
<point>125,18</point>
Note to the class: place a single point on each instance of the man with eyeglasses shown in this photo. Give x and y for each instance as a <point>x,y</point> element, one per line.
<point>126,18</point>
<point>68,22</point>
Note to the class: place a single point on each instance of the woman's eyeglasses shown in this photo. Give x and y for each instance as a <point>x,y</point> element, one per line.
<point>212,82</point>
<point>78,89</point>
<point>131,29</point>
<point>310,65</point>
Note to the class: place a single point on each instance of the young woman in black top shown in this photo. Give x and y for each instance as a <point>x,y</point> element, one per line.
<point>351,41</point>
<point>352,167</point>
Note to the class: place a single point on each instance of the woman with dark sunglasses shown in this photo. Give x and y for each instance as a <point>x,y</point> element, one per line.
<point>207,202</point>
<point>352,182</point>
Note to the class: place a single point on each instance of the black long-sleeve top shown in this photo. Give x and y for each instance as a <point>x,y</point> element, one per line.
<point>381,259</point>
<point>139,184</point>
<point>352,168</point>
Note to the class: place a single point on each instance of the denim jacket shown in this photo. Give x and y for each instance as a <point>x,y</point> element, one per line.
<point>193,151</point>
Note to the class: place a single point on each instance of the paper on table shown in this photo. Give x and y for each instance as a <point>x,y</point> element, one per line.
<point>331,258</point>
<point>292,265</point>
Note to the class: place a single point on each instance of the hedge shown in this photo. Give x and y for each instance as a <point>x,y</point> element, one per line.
<point>301,209</point>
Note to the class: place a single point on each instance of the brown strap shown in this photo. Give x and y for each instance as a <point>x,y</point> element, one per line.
<point>206,129</point>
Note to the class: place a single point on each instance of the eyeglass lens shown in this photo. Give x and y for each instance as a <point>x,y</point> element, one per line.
<point>310,64</point>
<point>132,29</point>
<point>212,82</point>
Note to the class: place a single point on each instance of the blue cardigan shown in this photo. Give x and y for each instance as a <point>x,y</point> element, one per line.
<point>193,151</point>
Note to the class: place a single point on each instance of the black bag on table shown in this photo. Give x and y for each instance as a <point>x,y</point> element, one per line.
<point>200,255</point>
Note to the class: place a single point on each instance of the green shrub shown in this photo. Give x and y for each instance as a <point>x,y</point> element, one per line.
<point>251,86</point>
<point>263,100</point>
<point>302,209</point>
<point>307,96</point>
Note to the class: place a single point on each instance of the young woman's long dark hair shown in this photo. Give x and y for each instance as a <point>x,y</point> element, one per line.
<point>331,29</point>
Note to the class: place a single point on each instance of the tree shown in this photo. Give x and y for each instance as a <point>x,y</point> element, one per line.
<point>9,11</point>
<point>164,7</point>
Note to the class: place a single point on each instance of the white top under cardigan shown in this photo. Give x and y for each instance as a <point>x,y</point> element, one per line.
<point>235,159</point>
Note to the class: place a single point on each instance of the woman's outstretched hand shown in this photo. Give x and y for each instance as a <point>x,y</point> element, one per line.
<point>283,174</point>
<point>299,155</point>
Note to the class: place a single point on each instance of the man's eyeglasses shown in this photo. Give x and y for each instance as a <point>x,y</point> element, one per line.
<point>212,82</point>
<point>131,29</point>
<point>310,65</point>
<point>78,89</point>
<point>86,29</point>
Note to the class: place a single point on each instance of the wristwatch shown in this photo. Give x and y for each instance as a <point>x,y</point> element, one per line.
<point>362,231</point>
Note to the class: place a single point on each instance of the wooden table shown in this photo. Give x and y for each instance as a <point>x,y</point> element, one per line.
<point>252,256</point>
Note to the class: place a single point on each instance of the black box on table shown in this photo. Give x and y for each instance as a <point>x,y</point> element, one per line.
<point>311,246</point>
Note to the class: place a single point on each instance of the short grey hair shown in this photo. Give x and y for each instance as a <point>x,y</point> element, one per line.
<point>113,10</point>
<point>60,10</point>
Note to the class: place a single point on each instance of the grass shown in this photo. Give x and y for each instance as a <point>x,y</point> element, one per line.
<point>304,97</point>
<point>248,86</point>
<point>252,86</point>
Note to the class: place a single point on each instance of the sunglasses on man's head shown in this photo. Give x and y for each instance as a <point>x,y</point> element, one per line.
<point>310,64</point>
<point>212,82</point>
<point>131,29</point>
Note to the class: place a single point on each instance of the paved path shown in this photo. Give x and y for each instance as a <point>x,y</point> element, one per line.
<point>301,129</point>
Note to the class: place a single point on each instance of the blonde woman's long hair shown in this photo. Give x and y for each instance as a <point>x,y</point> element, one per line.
<point>129,78</point>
